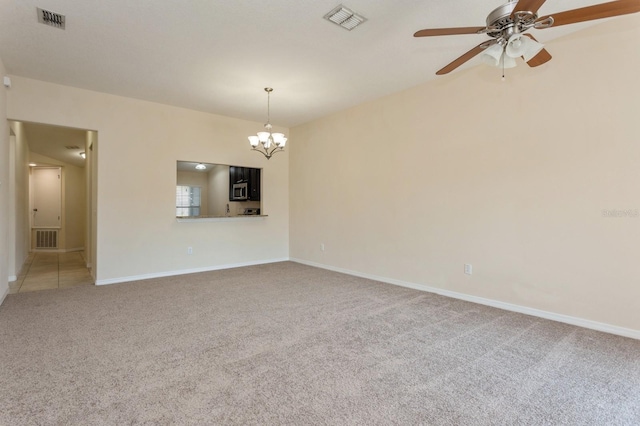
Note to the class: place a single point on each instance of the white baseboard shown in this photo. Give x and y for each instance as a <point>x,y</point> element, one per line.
<point>186,271</point>
<point>580,322</point>
<point>12,278</point>
<point>57,250</point>
<point>73,249</point>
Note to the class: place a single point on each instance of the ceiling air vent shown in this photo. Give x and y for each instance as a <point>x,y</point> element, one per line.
<point>51,18</point>
<point>72,147</point>
<point>344,17</point>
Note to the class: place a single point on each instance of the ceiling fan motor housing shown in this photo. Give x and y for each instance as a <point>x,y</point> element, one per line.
<point>501,25</point>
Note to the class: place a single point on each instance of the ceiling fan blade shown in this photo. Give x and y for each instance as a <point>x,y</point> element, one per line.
<point>541,58</point>
<point>448,31</point>
<point>598,11</point>
<point>527,6</point>
<point>462,59</point>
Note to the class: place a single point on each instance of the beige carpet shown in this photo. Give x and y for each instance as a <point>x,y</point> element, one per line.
<point>291,344</point>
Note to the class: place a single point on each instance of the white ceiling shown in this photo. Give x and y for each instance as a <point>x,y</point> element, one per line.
<point>217,56</point>
<point>56,142</point>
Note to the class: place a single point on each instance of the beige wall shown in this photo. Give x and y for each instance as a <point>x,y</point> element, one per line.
<point>19,200</point>
<point>218,178</point>
<point>74,181</point>
<point>138,145</point>
<point>91,201</point>
<point>511,177</point>
<point>4,190</point>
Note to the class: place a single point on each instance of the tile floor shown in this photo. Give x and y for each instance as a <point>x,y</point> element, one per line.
<point>44,271</point>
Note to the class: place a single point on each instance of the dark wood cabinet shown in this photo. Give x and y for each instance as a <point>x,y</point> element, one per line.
<point>254,184</point>
<point>232,175</point>
<point>245,175</point>
<point>232,180</point>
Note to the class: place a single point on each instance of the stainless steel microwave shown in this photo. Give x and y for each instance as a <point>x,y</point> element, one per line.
<point>239,191</point>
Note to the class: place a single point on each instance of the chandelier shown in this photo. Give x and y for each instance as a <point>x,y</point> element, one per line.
<point>268,143</point>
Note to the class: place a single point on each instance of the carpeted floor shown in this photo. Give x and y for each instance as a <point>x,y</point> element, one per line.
<point>290,344</point>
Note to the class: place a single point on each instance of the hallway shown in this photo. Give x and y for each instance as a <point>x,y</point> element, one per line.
<point>45,271</point>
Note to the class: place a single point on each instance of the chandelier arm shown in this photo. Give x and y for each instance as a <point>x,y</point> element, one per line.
<point>276,150</point>
<point>260,151</point>
<point>268,154</point>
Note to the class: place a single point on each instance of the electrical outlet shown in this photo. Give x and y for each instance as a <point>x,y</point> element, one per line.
<point>322,246</point>
<point>468,269</point>
<point>189,250</point>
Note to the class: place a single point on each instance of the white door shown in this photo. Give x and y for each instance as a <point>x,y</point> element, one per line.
<point>47,197</point>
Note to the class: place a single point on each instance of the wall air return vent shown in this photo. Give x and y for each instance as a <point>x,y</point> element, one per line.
<point>51,18</point>
<point>46,238</point>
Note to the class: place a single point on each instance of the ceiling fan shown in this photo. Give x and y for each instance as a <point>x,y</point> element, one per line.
<point>507,25</point>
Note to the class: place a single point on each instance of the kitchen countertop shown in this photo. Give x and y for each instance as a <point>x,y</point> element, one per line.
<point>219,218</point>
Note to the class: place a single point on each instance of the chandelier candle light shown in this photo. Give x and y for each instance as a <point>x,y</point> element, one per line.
<point>271,142</point>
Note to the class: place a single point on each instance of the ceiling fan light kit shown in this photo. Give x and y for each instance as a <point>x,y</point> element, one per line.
<point>507,26</point>
<point>521,46</point>
<point>495,57</point>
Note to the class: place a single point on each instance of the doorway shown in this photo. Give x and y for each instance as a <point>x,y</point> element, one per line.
<point>53,234</point>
